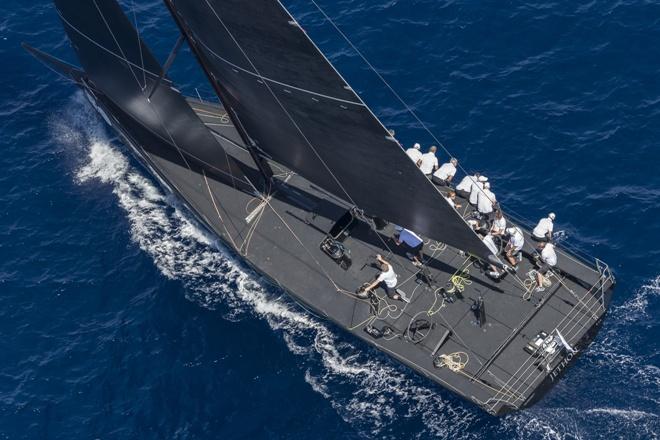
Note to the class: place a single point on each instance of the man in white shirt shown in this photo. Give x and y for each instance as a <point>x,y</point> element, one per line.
<point>386,279</point>
<point>515,244</point>
<point>547,261</point>
<point>486,201</point>
<point>413,242</point>
<point>445,173</point>
<point>499,224</point>
<point>465,186</point>
<point>476,188</point>
<point>543,230</point>
<point>451,199</point>
<point>414,154</point>
<point>428,162</point>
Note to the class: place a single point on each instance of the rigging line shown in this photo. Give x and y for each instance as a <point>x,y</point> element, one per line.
<point>332,281</point>
<point>216,208</point>
<point>295,124</point>
<point>139,42</point>
<point>105,49</point>
<point>391,89</point>
<point>253,227</point>
<point>184,153</point>
<point>279,83</point>
<point>150,106</point>
<point>519,378</point>
<point>384,81</point>
<point>412,294</point>
<point>280,103</point>
<point>458,336</point>
<point>117,42</point>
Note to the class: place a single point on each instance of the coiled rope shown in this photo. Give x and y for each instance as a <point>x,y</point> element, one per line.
<point>459,281</point>
<point>454,361</point>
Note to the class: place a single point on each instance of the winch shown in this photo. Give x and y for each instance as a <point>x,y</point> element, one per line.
<point>337,251</point>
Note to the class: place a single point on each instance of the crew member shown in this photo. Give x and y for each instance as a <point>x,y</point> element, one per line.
<point>414,154</point>
<point>499,224</point>
<point>547,261</point>
<point>413,242</point>
<point>515,245</point>
<point>476,188</point>
<point>486,201</point>
<point>451,199</point>
<point>543,230</point>
<point>445,173</point>
<point>386,279</point>
<point>465,186</point>
<point>428,162</point>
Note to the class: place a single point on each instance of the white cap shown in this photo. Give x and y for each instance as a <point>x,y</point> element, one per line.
<point>453,161</point>
<point>487,185</point>
<point>417,146</point>
<point>510,231</point>
<point>551,215</point>
<point>483,179</point>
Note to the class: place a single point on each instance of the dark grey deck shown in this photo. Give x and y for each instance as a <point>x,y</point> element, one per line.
<point>282,242</point>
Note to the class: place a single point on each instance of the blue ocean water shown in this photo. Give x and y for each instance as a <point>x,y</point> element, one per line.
<point>120,318</point>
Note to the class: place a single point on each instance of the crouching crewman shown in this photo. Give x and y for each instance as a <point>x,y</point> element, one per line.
<point>386,279</point>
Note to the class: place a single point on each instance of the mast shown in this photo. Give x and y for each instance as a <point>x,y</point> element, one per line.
<point>264,168</point>
<point>290,103</point>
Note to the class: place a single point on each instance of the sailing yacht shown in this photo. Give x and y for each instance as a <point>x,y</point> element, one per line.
<point>294,173</point>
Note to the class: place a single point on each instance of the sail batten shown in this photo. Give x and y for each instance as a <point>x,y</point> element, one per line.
<point>296,108</point>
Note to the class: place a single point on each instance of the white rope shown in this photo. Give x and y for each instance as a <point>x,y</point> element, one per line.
<point>117,43</point>
<point>139,43</point>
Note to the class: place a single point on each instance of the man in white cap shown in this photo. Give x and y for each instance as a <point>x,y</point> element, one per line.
<point>476,188</point>
<point>486,201</point>
<point>543,230</point>
<point>465,186</point>
<point>547,261</point>
<point>414,154</point>
<point>445,173</point>
<point>515,244</point>
<point>428,162</point>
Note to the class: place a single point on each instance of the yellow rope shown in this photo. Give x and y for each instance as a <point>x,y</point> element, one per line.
<point>459,281</point>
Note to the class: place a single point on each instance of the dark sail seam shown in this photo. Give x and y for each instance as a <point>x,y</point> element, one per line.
<point>258,75</point>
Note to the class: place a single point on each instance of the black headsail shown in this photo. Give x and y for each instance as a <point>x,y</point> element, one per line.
<point>290,101</point>
<point>120,66</point>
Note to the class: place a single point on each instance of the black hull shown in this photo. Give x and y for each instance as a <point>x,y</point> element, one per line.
<point>499,343</point>
<point>540,390</point>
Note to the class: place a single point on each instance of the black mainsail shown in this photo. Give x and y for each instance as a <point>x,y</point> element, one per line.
<point>292,105</point>
<point>120,65</point>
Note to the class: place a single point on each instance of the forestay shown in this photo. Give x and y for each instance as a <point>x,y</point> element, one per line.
<point>291,104</point>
